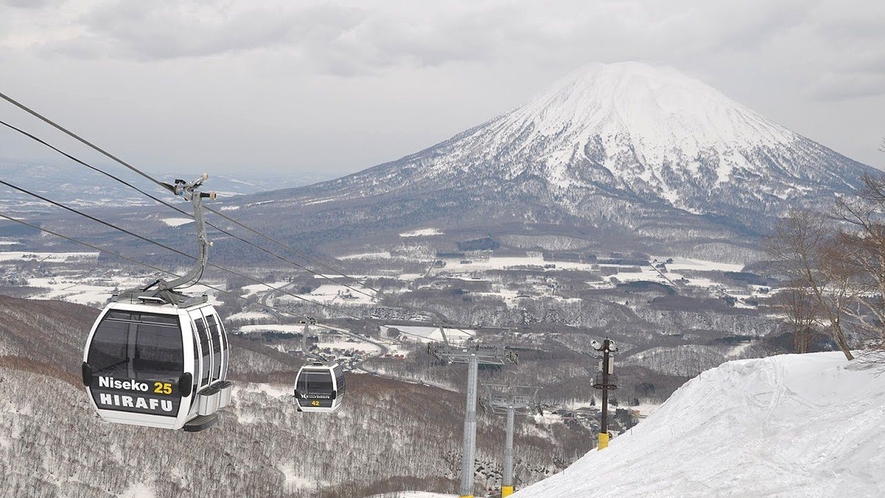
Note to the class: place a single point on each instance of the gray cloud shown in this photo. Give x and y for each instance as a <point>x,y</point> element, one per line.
<point>147,31</point>
<point>29,4</point>
<point>352,69</point>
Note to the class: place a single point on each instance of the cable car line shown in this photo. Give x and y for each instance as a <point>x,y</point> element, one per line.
<point>93,218</point>
<point>93,168</point>
<point>152,267</point>
<point>91,246</point>
<point>181,253</point>
<point>120,161</point>
<point>185,213</point>
<point>176,251</point>
<point>289,248</point>
<point>76,137</point>
<point>145,175</point>
<point>107,154</point>
<point>147,339</point>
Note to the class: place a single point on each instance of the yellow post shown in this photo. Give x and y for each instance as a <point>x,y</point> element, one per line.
<point>506,491</point>
<point>603,441</point>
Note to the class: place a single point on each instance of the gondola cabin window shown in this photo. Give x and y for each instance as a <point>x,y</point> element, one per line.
<point>137,346</point>
<point>216,345</point>
<point>205,349</point>
<point>315,383</point>
<point>339,381</point>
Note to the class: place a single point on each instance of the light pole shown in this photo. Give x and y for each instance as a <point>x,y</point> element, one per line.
<point>605,380</point>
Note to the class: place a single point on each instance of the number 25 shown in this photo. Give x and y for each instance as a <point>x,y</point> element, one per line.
<point>162,387</point>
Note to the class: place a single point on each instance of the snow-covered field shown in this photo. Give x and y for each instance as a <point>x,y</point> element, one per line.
<point>787,426</point>
<point>334,294</point>
<point>429,334</point>
<point>425,232</point>
<point>276,327</point>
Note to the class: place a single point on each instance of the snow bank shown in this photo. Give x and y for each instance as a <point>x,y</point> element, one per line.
<point>787,426</point>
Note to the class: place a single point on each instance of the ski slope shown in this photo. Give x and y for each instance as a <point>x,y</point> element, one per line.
<point>787,426</point>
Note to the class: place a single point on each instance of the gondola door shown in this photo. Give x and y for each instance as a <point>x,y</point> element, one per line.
<point>208,396</point>
<point>220,356</point>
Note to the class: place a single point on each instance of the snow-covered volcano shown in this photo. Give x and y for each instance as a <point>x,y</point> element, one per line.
<point>616,146</point>
<point>654,129</point>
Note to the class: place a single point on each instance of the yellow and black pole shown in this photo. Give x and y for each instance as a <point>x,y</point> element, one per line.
<point>605,381</point>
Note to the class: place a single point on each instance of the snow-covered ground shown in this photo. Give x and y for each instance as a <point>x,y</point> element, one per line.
<point>788,426</point>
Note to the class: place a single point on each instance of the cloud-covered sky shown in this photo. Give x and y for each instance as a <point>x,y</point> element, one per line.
<point>335,86</point>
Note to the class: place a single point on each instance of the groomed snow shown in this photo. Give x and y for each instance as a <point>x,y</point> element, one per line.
<point>787,426</point>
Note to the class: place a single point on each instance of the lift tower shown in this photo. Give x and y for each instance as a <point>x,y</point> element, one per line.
<point>472,355</point>
<point>507,400</point>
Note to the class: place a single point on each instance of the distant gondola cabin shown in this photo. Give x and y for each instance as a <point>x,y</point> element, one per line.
<point>320,387</point>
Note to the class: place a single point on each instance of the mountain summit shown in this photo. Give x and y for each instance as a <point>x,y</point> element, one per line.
<point>611,147</point>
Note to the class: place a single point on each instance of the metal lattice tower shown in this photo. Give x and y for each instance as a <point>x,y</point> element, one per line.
<point>507,400</point>
<point>471,355</point>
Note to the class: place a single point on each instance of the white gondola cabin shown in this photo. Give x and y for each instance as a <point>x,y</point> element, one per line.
<point>320,387</point>
<point>157,358</point>
<point>158,365</point>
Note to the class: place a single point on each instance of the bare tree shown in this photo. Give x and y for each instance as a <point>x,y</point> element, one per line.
<point>803,248</point>
<point>802,312</point>
<point>863,242</point>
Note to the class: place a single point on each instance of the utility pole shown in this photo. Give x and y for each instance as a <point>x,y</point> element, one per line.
<point>507,400</point>
<point>605,380</point>
<point>473,356</point>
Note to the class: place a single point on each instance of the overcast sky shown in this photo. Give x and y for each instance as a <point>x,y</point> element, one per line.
<point>272,87</point>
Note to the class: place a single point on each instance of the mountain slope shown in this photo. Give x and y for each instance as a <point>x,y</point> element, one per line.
<point>613,147</point>
<point>793,425</point>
